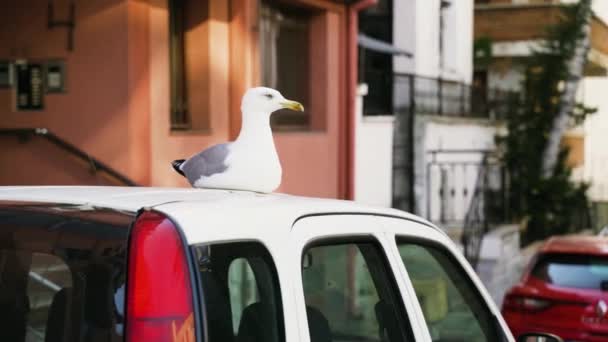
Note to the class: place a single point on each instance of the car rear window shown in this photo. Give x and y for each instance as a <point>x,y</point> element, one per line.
<point>62,272</point>
<point>573,271</point>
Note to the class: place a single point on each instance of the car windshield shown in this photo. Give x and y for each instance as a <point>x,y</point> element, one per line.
<point>574,271</point>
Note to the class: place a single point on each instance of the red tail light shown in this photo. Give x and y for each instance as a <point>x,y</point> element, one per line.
<point>522,303</point>
<point>159,294</point>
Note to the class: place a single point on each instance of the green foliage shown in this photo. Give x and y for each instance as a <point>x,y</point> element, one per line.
<point>482,51</point>
<point>555,205</point>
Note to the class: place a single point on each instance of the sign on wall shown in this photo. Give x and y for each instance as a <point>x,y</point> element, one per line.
<point>55,76</point>
<point>29,92</point>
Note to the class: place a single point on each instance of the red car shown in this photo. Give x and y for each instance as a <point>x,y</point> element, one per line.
<point>564,291</point>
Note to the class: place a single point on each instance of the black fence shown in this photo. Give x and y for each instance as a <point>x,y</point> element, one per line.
<point>391,93</point>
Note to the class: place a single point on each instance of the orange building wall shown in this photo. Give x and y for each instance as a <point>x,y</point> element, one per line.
<point>576,148</point>
<point>94,112</point>
<point>166,145</point>
<point>117,104</point>
<point>309,159</point>
<point>17,165</point>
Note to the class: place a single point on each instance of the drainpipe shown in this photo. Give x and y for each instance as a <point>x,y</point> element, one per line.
<point>352,26</point>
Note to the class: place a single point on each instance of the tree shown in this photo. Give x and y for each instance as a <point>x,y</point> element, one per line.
<point>548,202</point>
<point>576,55</point>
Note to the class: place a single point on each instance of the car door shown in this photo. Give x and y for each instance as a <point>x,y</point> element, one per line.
<point>455,306</point>
<point>345,288</point>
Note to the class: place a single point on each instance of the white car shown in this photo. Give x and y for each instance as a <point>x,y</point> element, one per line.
<point>160,264</point>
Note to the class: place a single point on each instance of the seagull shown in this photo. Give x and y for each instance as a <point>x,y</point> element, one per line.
<point>250,162</point>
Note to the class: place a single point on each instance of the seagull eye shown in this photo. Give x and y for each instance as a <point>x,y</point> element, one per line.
<point>269,96</point>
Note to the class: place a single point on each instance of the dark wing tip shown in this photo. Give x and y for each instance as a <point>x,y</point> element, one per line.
<point>176,164</point>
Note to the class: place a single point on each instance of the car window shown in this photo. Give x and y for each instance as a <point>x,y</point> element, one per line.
<point>448,298</point>
<point>575,271</point>
<point>61,276</point>
<point>242,297</point>
<point>351,294</point>
<point>243,290</point>
<point>48,276</point>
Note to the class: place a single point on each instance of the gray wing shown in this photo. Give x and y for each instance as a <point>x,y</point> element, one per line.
<point>206,163</point>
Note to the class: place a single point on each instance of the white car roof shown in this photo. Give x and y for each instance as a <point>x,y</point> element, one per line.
<point>225,208</point>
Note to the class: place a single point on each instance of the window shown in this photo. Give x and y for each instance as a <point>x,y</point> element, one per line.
<point>479,97</point>
<point>574,271</point>
<point>241,293</point>
<point>376,68</point>
<point>243,290</point>
<point>48,275</point>
<point>448,299</point>
<point>188,44</point>
<point>351,295</point>
<point>62,277</point>
<point>285,59</point>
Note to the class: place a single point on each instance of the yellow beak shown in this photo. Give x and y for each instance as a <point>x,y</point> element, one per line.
<point>293,105</point>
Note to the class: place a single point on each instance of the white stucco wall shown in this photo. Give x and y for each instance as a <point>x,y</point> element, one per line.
<point>416,29</point>
<point>373,161</point>
<point>373,156</point>
<point>441,134</point>
<point>404,34</point>
<point>427,37</point>
<point>600,7</point>
<point>595,169</point>
<point>596,127</point>
<point>458,42</point>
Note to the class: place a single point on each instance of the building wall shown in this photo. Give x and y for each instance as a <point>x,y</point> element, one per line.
<point>117,104</point>
<point>458,42</point>
<point>94,112</point>
<point>453,140</point>
<point>310,159</point>
<point>596,140</point>
<point>593,92</point>
<point>427,38</point>
<point>373,156</point>
<point>36,162</point>
<point>167,145</point>
<point>601,9</point>
<point>416,28</point>
<point>404,34</point>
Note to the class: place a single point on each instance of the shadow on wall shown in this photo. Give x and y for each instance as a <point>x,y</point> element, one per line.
<point>37,162</point>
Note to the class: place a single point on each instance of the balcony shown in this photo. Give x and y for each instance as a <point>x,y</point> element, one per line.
<point>421,95</point>
<point>515,29</point>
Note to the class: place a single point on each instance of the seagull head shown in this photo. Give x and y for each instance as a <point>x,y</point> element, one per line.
<point>267,100</point>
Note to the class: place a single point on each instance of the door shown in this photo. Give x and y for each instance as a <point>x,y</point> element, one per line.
<point>455,306</point>
<point>345,289</point>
